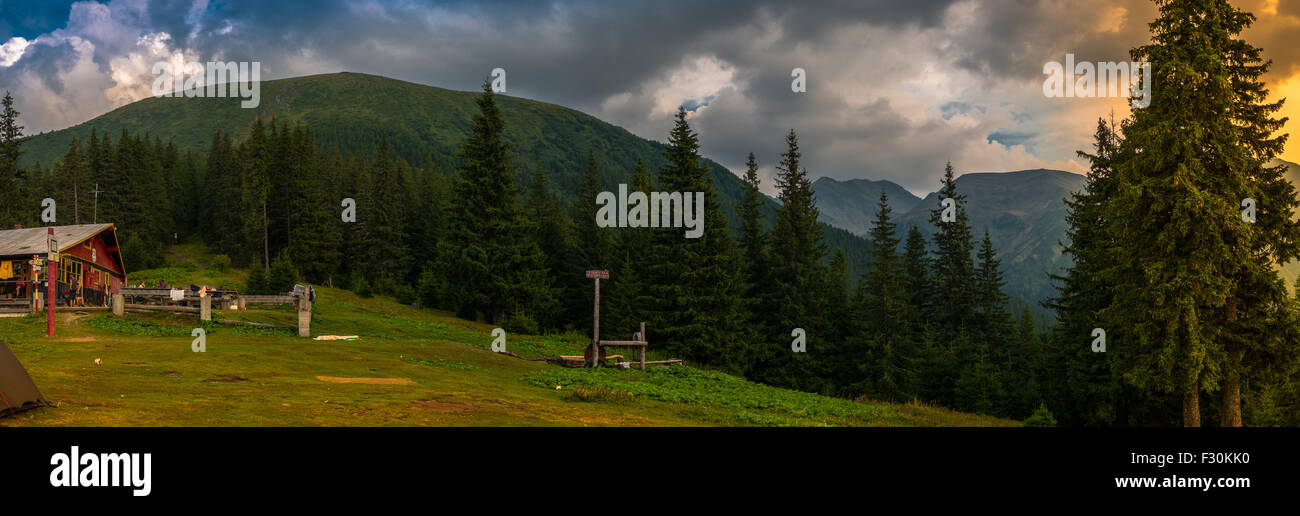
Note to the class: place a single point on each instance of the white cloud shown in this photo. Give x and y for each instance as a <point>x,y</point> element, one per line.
<point>102,59</point>
<point>12,50</point>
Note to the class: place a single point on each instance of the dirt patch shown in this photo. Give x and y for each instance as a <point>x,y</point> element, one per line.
<point>371,381</point>
<point>226,379</point>
<point>442,406</point>
<point>77,339</point>
<point>172,374</point>
<point>135,363</point>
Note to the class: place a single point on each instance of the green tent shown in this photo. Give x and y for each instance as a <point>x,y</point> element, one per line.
<point>16,388</point>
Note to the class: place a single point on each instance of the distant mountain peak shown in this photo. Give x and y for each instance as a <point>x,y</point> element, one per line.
<point>851,204</point>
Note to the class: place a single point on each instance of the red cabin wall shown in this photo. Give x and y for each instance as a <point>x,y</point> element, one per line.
<point>98,254</point>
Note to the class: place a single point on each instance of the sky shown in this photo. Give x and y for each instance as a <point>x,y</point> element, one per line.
<point>894,88</point>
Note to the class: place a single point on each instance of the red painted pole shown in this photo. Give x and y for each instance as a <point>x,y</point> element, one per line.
<point>49,291</point>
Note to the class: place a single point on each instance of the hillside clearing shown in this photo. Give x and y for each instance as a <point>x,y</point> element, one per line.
<point>267,377</point>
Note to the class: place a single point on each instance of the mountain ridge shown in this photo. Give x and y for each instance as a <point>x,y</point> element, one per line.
<point>851,204</point>
<point>1024,211</point>
<point>351,112</point>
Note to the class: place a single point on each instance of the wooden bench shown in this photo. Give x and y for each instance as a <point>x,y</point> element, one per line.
<point>641,344</point>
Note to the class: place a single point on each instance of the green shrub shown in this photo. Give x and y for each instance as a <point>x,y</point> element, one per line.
<point>405,295</point>
<point>1041,417</point>
<point>430,289</point>
<point>283,275</point>
<point>384,286</point>
<point>601,394</point>
<point>522,324</point>
<point>221,262</point>
<point>257,281</point>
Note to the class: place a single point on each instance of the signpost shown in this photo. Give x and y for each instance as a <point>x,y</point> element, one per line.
<point>35,292</point>
<point>49,282</point>
<point>593,352</point>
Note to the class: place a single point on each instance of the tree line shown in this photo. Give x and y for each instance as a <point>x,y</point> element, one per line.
<point>473,242</point>
<point>920,324</point>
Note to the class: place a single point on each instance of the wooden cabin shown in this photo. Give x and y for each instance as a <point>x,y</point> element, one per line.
<point>89,271</point>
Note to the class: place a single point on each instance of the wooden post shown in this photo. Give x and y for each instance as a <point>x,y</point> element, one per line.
<point>593,352</point>
<point>304,316</point>
<point>36,285</point>
<point>595,330</point>
<point>642,348</point>
<point>51,275</point>
<point>119,304</point>
<point>205,308</point>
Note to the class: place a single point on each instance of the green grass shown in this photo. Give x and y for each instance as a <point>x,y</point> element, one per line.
<point>437,362</point>
<point>149,376</point>
<point>753,403</point>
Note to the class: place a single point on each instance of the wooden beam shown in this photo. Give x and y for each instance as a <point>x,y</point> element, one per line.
<point>259,325</point>
<point>163,308</point>
<point>267,300</point>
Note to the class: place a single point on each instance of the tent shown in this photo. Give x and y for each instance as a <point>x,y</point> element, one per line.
<point>16,388</point>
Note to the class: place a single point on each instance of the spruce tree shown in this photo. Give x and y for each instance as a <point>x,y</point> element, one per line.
<point>695,282</point>
<point>886,339</point>
<point>70,178</point>
<point>915,283</point>
<point>955,293</point>
<point>993,323</point>
<point>496,268</point>
<point>11,176</point>
<point>630,295</point>
<point>552,233</point>
<point>380,222</point>
<point>283,275</point>
<point>594,247</point>
<point>1022,369</point>
<point>1187,262</point>
<point>315,239</point>
<point>1255,320</point>
<point>996,341</point>
<point>753,250</point>
<point>223,227</point>
<point>256,191</point>
<point>1080,386</point>
<point>595,244</point>
<point>797,276</point>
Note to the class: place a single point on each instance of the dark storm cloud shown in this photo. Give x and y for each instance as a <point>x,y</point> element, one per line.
<point>1015,37</point>
<point>573,53</point>
<point>895,88</point>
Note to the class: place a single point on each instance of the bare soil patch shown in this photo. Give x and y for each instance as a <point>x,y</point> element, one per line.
<point>371,381</point>
<point>227,379</point>
<point>443,406</point>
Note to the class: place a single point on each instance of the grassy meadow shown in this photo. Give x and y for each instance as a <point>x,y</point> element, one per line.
<point>429,369</point>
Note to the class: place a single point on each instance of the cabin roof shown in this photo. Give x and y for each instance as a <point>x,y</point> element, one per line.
<point>29,241</point>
